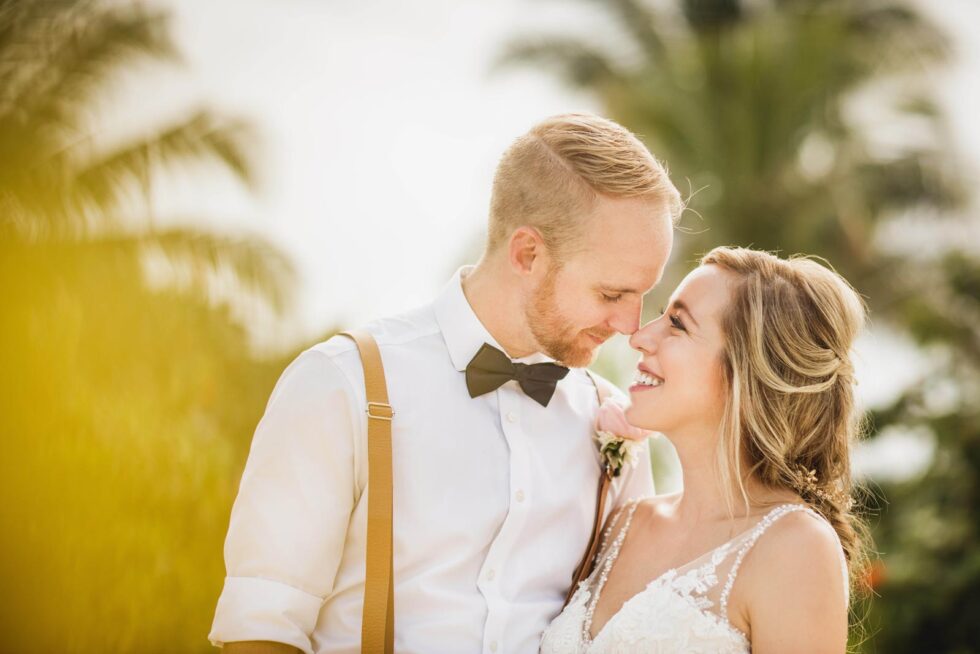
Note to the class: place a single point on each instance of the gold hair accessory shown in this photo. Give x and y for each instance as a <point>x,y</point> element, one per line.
<point>806,481</point>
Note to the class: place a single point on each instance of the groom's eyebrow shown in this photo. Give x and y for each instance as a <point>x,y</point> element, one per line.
<point>613,289</point>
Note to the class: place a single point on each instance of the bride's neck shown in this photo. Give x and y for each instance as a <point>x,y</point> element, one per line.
<point>705,497</point>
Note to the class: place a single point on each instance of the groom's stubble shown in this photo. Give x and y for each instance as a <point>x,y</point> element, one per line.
<point>558,337</point>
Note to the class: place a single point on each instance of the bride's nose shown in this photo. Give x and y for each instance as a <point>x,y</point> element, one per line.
<point>645,339</point>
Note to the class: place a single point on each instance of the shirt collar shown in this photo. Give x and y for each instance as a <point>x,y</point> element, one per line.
<point>461,328</point>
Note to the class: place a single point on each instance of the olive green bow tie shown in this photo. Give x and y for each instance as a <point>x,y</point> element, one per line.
<point>490,369</point>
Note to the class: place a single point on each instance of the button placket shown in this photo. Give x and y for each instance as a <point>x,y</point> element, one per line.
<point>510,404</point>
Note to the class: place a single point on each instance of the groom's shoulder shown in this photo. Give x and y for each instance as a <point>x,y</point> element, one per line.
<point>401,330</point>
<point>334,365</point>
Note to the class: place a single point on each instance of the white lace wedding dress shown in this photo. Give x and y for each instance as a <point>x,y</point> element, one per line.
<point>684,610</point>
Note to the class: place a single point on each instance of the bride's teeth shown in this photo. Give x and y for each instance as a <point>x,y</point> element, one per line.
<point>647,380</point>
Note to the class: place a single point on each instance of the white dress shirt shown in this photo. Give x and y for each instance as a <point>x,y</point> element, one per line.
<point>494,497</point>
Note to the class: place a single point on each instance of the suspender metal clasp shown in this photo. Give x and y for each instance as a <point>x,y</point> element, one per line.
<point>380,411</point>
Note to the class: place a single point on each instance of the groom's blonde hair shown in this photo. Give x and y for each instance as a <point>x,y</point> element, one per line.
<point>550,177</point>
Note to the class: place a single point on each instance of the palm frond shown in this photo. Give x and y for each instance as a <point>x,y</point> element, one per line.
<point>895,37</point>
<point>75,55</point>
<point>24,29</point>
<point>24,32</point>
<point>917,178</point>
<point>255,264</point>
<point>638,20</point>
<point>576,62</point>
<point>55,57</point>
<point>711,15</point>
<point>200,258</point>
<point>202,138</point>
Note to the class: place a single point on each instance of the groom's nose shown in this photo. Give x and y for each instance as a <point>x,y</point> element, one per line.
<point>626,319</point>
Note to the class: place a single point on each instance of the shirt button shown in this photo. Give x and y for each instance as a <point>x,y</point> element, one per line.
<point>511,417</point>
<point>493,646</point>
<point>491,574</point>
<point>519,495</point>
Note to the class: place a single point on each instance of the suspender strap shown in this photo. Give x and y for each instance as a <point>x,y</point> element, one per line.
<point>602,494</point>
<point>378,621</point>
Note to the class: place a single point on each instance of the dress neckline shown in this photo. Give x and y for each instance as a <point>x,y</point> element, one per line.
<point>613,555</point>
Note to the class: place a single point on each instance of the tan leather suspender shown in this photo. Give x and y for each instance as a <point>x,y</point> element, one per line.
<point>378,618</point>
<point>378,626</point>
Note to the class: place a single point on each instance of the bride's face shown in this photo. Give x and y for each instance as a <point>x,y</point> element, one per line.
<point>679,386</point>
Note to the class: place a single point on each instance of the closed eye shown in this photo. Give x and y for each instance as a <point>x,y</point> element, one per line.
<point>612,298</point>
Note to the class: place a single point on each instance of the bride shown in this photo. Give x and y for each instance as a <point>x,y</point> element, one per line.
<point>748,373</point>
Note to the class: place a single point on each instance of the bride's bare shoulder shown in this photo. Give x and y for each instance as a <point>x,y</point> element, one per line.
<point>654,506</point>
<point>793,581</point>
<point>660,506</point>
<point>795,541</point>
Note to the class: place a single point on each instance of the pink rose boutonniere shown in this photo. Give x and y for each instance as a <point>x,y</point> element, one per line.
<point>619,441</point>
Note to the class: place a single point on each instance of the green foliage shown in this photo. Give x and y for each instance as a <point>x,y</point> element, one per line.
<point>126,417</point>
<point>125,410</point>
<point>928,531</point>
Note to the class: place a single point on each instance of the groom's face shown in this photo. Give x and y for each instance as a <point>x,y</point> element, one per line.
<point>599,291</point>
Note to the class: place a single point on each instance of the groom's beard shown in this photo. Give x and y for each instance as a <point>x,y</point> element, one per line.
<point>558,338</point>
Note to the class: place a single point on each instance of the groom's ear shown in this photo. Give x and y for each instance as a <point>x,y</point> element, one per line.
<point>526,249</point>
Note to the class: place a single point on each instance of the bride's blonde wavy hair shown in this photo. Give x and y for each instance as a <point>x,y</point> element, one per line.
<point>789,416</point>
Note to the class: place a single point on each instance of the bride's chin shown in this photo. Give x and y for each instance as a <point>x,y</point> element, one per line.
<point>635,418</point>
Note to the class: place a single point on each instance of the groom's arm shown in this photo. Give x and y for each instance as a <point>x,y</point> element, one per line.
<point>289,522</point>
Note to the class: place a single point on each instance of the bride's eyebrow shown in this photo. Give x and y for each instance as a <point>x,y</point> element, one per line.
<point>679,304</point>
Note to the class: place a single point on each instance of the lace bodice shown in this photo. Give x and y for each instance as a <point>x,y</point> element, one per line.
<point>684,610</point>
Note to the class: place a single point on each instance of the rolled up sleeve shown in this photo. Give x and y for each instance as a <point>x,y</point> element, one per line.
<point>289,522</point>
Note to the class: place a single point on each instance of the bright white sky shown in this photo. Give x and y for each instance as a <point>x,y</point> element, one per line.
<point>381,124</point>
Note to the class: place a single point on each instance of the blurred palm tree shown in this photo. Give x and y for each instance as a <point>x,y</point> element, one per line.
<point>126,406</point>
<point>59,183</point>
<point>749,103</point>
<point>764,108</point>
<point>928,531</point>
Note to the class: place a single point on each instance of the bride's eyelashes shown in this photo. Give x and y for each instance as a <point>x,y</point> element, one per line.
<point>675,320</point>
<point>612,298</point>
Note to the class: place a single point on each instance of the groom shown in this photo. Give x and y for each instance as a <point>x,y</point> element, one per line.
<point>494,490</point>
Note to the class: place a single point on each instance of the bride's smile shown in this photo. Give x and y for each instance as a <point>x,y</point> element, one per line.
<point>679,384</point>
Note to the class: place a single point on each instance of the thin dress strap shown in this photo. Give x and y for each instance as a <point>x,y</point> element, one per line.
<point>754,536</point>
<point>603,569</point>
<point>625,510</point>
